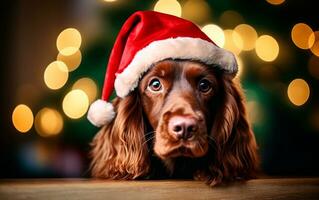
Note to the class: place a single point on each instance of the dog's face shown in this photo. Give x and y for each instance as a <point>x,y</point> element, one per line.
<point>195,111</point>
<point>176,98</point>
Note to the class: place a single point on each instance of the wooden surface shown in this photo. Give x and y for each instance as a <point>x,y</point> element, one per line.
<point>46,189</point>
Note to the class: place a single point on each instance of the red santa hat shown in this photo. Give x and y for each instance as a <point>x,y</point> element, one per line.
<point>148,37</point>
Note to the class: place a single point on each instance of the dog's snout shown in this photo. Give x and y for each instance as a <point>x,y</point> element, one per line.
<point>183,127</point>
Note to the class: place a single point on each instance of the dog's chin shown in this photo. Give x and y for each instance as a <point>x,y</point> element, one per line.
<point>192,149</point>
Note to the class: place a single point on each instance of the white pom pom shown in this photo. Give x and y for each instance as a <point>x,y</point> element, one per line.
<point>100,113</point>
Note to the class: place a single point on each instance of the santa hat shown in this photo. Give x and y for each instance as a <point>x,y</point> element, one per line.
<point>148,37</point>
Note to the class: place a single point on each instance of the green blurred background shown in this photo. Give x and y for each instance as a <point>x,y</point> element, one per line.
<point>44,131</point>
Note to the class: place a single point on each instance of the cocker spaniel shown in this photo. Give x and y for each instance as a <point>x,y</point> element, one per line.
<point>186,119</point>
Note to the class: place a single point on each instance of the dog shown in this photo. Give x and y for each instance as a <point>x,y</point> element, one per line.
<point>186,119</point>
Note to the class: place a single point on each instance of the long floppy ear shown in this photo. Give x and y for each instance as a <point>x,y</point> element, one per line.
<point>235,144</point>
<point>119,150</point>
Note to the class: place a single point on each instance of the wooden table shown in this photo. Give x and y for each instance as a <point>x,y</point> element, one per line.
<point>46,189</point>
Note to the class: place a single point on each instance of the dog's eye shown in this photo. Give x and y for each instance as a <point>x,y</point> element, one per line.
<point>155,85</point>
<point>204,86</point>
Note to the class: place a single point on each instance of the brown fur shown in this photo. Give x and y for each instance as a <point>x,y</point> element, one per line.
<point>224,148</point>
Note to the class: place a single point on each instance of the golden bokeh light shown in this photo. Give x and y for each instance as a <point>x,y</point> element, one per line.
<point>196,11</point>
<point>109,0</point>
<point>301,36</point>
<point>232,37</point>
<point>48,122</point>
<point>56,75</point>
<point>240,66</point>
<point>88,86</point>
<point>298,92</point>
<point>248,35</point>
<point>69,41</point>
<point>254,112</point>
<point>275,2</point>
<point>267,48</point>
<point>215,33</point>
<point>313,66</point>
<point>72,61</point>
<point>22,118</point>
<point>314,42</point>
<point>231,18</point>
<point>75,104</point>
<point>171,7</point>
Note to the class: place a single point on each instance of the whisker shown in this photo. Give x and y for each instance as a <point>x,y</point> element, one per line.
<point>200,146</point>
<point>147,140</point>
<point>149,133</point>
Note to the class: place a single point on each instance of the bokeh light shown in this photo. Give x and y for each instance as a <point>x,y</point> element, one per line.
<point>267,48</point>
<point>313,66</point>
<point>298,92</point>
<point>48,122</point>
<point>300,35</point>
<point>275,2</point>
<point>171,7</point>
<point>22,118</point>
<point>315,46</point>
<point>196,11</point>
<point>56,75</point>
<point>230,19</point>
<point>215,33</point>
<point>254,112</point>
<point>109,0</point>
<point>240,65</point>
<point>75,104</point>
<point>248,35</point>
<point>88,86</point>
<point>232,37</point>
<point>69,41</point>
<point>72,61</point>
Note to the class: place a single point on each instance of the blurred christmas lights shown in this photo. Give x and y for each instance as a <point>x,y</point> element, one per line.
<point>215,33</point>
<point>230,19</point>
<point>171,7</point>
<point>48,122</point>
<point>275,2</point>
<point>254,112</point>
<point>298,91</point>
<point>22,118</point>
<point>88,86</point>
<point>56,75</point>
<point>248,35</point>
<point>75,104</point>
<point>267,48</point>
<point>300,35</point>
<point>197,11</point>
<point>232,37</point>
<point>72,61</point>
<point>315,47</point>
<point>240,66</point>
<point>69,41</point>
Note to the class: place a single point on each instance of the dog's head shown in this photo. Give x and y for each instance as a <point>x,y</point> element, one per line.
<point>183,109</point>
<point>177,97</point>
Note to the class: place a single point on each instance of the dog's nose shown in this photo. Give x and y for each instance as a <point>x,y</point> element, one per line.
<point>182,127</point>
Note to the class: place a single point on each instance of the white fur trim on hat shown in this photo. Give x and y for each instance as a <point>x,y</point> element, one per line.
<point>100,113</point>
<point>175,48</point>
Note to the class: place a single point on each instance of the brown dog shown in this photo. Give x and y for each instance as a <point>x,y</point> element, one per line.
<point>185,119</point>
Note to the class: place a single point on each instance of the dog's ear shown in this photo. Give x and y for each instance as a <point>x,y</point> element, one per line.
<point>119,150</point>
<point>235,145</point>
